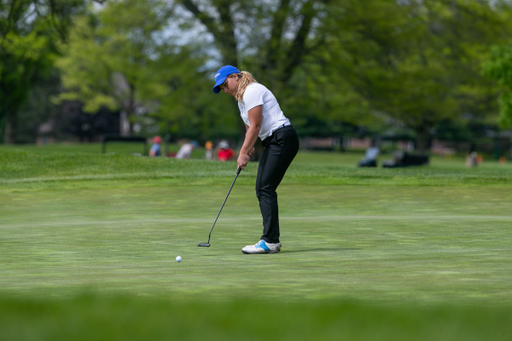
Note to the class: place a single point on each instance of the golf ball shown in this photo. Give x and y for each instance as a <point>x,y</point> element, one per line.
<point>178,259</point>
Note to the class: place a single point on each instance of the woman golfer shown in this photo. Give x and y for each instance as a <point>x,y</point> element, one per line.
<point>263,118</point>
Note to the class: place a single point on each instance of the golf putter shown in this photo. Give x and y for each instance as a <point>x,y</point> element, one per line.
<point>207,244</point>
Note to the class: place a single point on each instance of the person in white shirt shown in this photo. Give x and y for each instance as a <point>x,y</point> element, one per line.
<point>186,150</point>
<point>263,118</point>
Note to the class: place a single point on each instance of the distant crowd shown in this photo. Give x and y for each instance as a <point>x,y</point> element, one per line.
<point>222,152</point>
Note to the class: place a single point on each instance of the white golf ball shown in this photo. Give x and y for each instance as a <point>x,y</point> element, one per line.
<point>178,259</point>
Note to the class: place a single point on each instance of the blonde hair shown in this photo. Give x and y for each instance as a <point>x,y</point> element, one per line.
<point>245,78</point>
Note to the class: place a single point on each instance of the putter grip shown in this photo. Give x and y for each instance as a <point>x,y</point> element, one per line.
<point>238,170</point>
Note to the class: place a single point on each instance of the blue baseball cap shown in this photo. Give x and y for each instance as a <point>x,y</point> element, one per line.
<point>222,74</point>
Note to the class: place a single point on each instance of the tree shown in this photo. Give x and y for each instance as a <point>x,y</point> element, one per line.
<point>417,62</point>
<point>499,68</point>
<point>115,59</point>
<point>29,31</point>
<point>272,39</point>
<point>24,49</point>
<point>187,110</point>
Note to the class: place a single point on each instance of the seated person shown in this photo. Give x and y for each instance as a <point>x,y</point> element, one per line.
<point>186,150</point>
<point>370,157</point>
<point>155,148</point>
<point>224,153</point>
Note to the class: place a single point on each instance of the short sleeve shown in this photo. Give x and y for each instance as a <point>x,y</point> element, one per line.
<point>253,97</point>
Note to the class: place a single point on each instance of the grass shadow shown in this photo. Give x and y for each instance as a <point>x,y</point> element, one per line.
<point>322,250</point>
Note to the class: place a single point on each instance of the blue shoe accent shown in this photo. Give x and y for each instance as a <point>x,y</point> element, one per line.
<point>262,245</point>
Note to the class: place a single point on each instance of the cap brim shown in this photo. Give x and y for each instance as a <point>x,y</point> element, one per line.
<point>216,88</point>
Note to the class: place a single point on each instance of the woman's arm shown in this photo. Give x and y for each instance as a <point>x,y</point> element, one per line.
<point>252,149</point>
<point>251,135</point>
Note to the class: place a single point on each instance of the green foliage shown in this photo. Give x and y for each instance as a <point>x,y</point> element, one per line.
<point>505,101</point>
<point>272,41</point>
<point>416,62</point>
<point>499,68</point>
<point>320,102</point>
<point>119,58</point>
<point>25,49</point>
<point>29,32</point>
<point>191,109</point>
<point>22,57</point>
<point>370,62</point>
<point>38,108</point>
<point>375,63</point>
<point>83,68</point>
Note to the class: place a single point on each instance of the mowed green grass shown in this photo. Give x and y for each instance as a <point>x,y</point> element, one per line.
<point>88,245</point>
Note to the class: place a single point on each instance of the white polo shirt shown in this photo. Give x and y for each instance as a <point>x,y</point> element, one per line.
<point>273,117</point>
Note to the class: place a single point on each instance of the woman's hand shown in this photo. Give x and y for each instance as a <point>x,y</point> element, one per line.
<point>251,151</point>
<point>243,160</point>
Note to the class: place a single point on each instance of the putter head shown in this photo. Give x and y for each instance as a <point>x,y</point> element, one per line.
<point>204,244</point>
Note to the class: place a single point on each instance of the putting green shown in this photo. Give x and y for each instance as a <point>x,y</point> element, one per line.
<point>88,245</point>
<point>382,244</point>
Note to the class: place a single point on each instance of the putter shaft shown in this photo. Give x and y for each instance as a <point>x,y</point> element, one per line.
<point>207,244</point>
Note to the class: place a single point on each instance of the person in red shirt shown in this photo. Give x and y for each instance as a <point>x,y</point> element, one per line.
<point>224,153</point>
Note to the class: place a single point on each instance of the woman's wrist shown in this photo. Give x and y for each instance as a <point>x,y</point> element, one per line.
<point>245,151</point>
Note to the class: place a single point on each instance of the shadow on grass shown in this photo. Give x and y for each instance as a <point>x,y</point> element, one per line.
<point>305,250</point>
<point>321,250</point>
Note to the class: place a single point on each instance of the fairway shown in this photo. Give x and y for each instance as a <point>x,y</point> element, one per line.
<point>112,226</point>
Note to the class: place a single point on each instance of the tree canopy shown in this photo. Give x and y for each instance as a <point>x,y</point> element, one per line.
<point>415,62</point>
<point>499,67</point>
<point>363,61</point>
<point>29,31</point>
<point>111,59</point>
<point>330,63</point>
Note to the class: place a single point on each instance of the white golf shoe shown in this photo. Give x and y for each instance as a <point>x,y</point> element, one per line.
<point>262,247</point>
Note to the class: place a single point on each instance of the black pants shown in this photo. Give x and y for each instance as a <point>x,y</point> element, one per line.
<point>279,150</point>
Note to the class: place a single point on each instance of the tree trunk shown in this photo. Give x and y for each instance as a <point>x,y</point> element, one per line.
<point>10,127</point>
<point>422,136</point>
<point>124,123</point>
